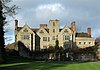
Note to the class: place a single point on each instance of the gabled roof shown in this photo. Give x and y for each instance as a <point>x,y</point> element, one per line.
<point>33,29</point>
<point>36,29</point>
<point>62,29</point>
<point>19,28</point>
<point>65,27</point>
<point>82,35</point>
<point>47,29</point>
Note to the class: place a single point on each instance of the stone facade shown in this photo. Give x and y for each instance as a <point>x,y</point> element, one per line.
<point>43,37</point>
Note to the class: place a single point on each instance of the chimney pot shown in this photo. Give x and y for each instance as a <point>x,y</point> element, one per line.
<point>89,31</point>
<point>16,22</point>
<point>73,26</point>
<point>43,25</point>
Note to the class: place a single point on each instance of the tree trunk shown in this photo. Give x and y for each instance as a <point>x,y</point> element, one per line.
<point>2,50</point>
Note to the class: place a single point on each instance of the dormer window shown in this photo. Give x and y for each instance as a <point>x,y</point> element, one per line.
<point>25,30</point>
<point>41,31</point>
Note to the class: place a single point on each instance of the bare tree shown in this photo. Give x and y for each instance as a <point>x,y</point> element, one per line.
<point>4,11</point>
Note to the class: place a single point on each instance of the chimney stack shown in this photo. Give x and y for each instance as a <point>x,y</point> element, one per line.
<point>89,31</point>
<point>43,25</point>
<point>73,26</point>
<point>16,24</point>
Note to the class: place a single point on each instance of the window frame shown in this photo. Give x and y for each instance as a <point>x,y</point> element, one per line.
<point>45,39</point>
<point>53,23</point>
<point>65,37</point>
<point>53,38</point>
<point>54,30</point>
<point>25,30</point>
<point>41,32</point>
<point>25,37</point>
<point>84,42</point>
<point>65,31</point>
<point>89,42</point>
<point>80,42</point>
<point>48,39</point>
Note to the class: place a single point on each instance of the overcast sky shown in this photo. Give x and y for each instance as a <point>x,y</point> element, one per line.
<point>86,13</point>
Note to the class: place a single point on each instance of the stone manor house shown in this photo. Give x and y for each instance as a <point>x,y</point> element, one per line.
<point>44,36</point>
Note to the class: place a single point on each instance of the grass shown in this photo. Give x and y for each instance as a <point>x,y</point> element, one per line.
<point>20,64</point>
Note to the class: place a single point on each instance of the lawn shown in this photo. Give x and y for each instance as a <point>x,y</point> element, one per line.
<point>19,64</point>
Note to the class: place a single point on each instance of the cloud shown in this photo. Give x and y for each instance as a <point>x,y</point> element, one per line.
<point>96,32</point>
<point>9,39</point>
<point>51,11</point>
